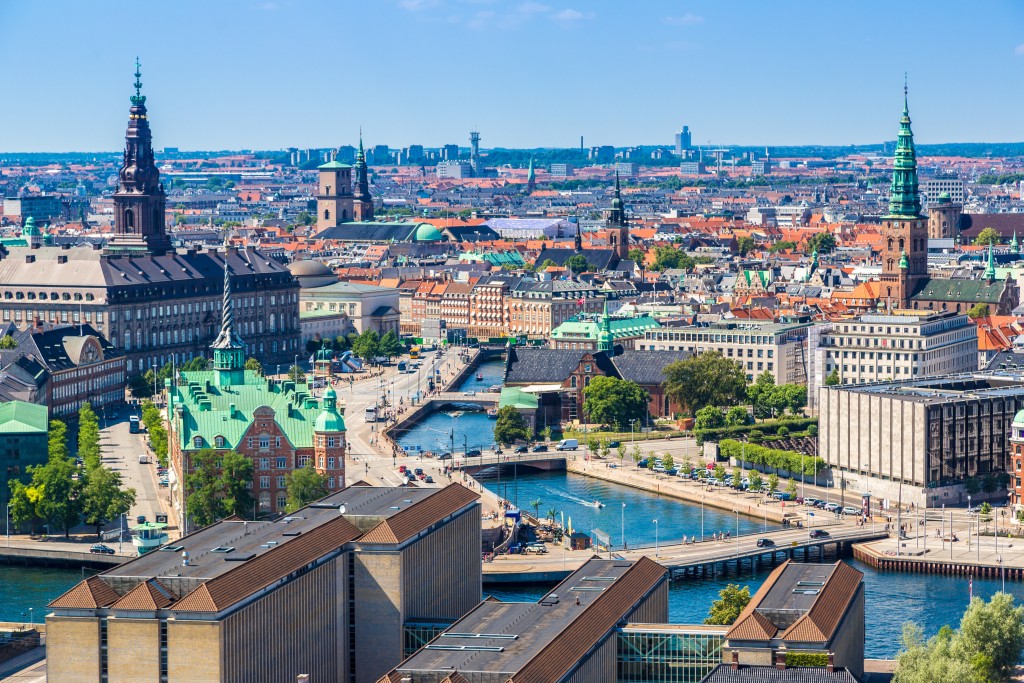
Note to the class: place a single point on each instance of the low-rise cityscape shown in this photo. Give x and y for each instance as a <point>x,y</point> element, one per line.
<point>411,406</point>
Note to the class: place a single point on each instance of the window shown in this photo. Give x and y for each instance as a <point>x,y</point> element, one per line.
<point>330,463</point>
<point>197,442</point>
<point>264,482</point>
<point>218,441</point>
<point>282,463</point>
<point>282,482</point>
<point>264,463</point>
<point>248,442</point>
<point>264,442</point>
<point>330,442</point>
<point>282,501</point>
<point>277,442</point>
<point>330,482</point>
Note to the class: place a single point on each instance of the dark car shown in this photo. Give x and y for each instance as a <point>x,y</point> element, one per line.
<point>141,519</point>
<point>445,456</point>
<point>539,448</point>
<point>429,479</point>
<point>672,472</point>
<point>642,463</point>
<point>100,549</point>
<point>473,453</point>
<point>613,444</point>
<point>521,449</point>
<point>418,471</point>
<point>818,533</point>
<point>765,543</point>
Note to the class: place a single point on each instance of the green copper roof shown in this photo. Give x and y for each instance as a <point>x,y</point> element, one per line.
<point>428,233</point>
<point>990,269</point>
<point>329,420</point>
<point>1018,419</point>
<point>18,417</point>
<point>517,398</point>
<point>332,164</point>
<point>763,276</point>
<point>590,330</point>
<point>904,199</point>
<point>904,263</point>
<point>29,228</point>
<point>495,258</point>
<point>206,409</point>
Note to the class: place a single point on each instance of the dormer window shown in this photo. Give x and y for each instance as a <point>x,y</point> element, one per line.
<point>218,441</point>
<point>197,442</point>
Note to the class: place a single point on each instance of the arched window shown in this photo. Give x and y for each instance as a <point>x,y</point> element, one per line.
<point>197,442</point>
<point>138,338</point>
<point>903,244</point>
<point>586,381</point>
<point>127,340</point>
<point>218,441</point>
<point>328,189</point>
<point>327,213</point>
<point>270,323</point>
<point>890,244</point>
<point>572,381</point>
<point>129,219</point>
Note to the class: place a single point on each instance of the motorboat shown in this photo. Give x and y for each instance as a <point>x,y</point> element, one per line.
<point>492,413</point>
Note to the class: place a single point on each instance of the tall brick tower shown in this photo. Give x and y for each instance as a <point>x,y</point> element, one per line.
<point>618,228</point>
<point>362,205</point>
<point>329,439</point>
<point>904,229</point>
<point>334,201</point>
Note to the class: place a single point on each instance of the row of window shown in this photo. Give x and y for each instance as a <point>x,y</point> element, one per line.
<point>53,296</point>
<point>75,316</point>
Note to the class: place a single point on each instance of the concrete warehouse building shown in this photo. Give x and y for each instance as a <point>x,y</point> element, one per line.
<point>333,590</point>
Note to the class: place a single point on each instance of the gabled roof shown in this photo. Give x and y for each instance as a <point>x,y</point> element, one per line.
<point>89,594</point>
<point>969,291</point>
<point>646,367</point>
<point>408,522</point>
<point>724,673</point>
<point>18,417</point>
<point>228,588</point>
<point>820,622</point>
<point>538,365</point>
<point>148,595</point>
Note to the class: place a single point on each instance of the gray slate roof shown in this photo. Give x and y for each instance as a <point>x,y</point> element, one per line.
<point>646,367</point>
<point>541,365</point>
<point>723,673</point>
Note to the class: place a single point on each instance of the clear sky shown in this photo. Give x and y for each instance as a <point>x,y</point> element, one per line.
<point>267,74</point>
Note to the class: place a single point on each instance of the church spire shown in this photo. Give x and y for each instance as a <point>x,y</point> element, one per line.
<point>578,241</point>
<point>990,269</point>
<point>138,98</point>
<point>362,207</point>
<point>605,340</point>
<point>228,347</point>
<point>904,199</point>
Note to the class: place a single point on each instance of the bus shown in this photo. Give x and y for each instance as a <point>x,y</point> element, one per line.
<point>414,352</point>
<point>371,414</point>
<point>133,424</point>
<point>402,366</point>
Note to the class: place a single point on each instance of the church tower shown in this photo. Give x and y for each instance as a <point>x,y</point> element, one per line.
<point>531,179</point>
<point>334,200</point>
<point>618,228</point>
<point>228,347</point>
<point>139,200</point>
<point>605,339</point>
<point>944,218</point>
<point>904,229</point>
<point>362,206</point>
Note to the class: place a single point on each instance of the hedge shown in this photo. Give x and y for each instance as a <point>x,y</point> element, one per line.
<point>806,659</point>
<point>767,427</point>
<point>770,457</point>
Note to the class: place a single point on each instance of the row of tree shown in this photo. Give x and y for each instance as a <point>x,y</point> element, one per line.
<point>64,493</point>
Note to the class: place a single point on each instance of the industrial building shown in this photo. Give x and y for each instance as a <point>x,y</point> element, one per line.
<point>334,591</point>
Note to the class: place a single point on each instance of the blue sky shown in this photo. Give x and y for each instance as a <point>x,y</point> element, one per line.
<point>277,73</point>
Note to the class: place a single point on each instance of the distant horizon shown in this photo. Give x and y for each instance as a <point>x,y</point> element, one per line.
<point>525,73</point>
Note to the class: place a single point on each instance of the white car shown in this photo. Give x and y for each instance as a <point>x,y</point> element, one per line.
<point>850,510</point>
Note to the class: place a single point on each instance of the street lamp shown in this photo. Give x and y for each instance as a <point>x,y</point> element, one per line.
<point>632,437</point>
<point>655,539</point>
<point>8,525</point>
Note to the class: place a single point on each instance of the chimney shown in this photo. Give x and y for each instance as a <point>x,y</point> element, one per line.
<point>831,662</point>
<point>62,258</point>
<point>735,660</point>
<point>780,659</point>
<point>231,411</point>
<point>30,258</point>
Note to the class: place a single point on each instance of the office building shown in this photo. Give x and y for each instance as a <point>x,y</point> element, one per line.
<point>898,346</point>
<point>692,168</point>
<point>932,190</point>
<point>919,440</point>
<point>602,155</point>
<point>449,152</point>
<point>43,208</point>
<point>454,169</point>
<point>331,591</point>
<point>279,425</point>
<point>583,331</point>
<point>562,170</point>
<point>24,430</point>
<point>153,303</point>
<point>683,141</point>
<point>569,636</point>
<point>778,348</point>
<point>627,169</point>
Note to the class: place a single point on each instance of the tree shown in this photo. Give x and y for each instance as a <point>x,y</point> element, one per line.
<point>296,374</point>
<point>745,245</point>
<point>615,401</point>
<point>577,263</point>
<point>756,480</point>
<point>986,237</point>
<point>637,455</point>
<point>707,379</point>
<point>731,601</point>
<point>986,647</point>
<point>139,387</point>
<point>546,433</point>
<point>367,345</point>
<point>535,504</point>
<point>305,485</point>
<point>59,503</point>
<point>203,505</point>
<point>719,472</point>
<point>236,484</point>
<point>103,499</point>
<point>636,255</point>
<point>822,242</point>
<point>88,436</point>
<point>783,245</point>
<point>547,263</point>
<point>760,392</point>
<point>621,451</point>
<point>390,345</point>
<point>709,417</point>
<point>791,488</point>
<point>737,416</point>
<point>668,461</point>
<point>605,450</point>
<point>755,436</point>
<point>773,483</point>
<point>832,379</point>
<point>977,311</point>
<point>7,342</point>
<point>254,365</point>
<point>510,426</point>
<point>737,476</point>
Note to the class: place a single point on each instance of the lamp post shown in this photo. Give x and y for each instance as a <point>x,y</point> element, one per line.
<point>562,514</point>
<point>655,539</point>
<point>632,437</point>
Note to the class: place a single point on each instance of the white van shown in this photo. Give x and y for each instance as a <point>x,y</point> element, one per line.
<point>144,459</point>
<point>567,445</point>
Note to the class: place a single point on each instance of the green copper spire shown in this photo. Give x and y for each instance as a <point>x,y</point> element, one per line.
<point>605,340</point>
<point>904,263</point>
<point>228,347</point>
<point>904,199</point>
<point>530,175</point>
<point>1014,245</point>
<point>138,98</point>
<point>990,269</point>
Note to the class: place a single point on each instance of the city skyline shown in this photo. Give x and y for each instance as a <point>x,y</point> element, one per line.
<point>631,76</point>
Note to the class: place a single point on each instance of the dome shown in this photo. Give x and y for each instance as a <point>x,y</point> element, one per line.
<point>428,233</point>
<point>329,421</point>
<point>312,274</point>
<point>944,197</point>
<point>330,393</point>
<point>1018,419</point>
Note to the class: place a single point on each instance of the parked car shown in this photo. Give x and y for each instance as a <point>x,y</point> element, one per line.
<point>672,472</point>
<point>831,507</point>
<point>850,510</point>
<point>659,468</point>
<point>613,444</point>
<point>539,448</point>
<point>642,463</point>
<point>445,456</point>
<point>418,471</point>
<point>473,453</point>
<point>811,502</point>
<point>818,533</point>
<point>521,449</point>
<point>537,547</point>
<point>402,469</point>
<point>100,549</point>
<point>765,543</point>
<point>429,479</point>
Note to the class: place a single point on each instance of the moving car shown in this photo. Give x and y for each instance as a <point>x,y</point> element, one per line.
<point>418,471</point>
<point>100,549</point>
<point>765,543</point>
<point>850,510</point>
<point>568,445</point>
<point>537,547</point>
<point>818,533</point>
<point>539,448</point>
<point>473,453</point>
<point>613,444</point>
<point>429,479</point>
<point>521,449</point>
<point>445,456</point>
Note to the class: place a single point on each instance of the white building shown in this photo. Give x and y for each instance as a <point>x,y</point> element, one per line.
<point>931,188</point>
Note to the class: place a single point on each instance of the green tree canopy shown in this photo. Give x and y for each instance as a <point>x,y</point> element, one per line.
<point>219,486</point>
<point>737,416</point>
<point>577,263</point>
<point>7,342</point>
<point>614,401</point>
<point>367,345</point>
<point>977,311</point>
<point>296,374</point>
<point>731,601</point>
<point>305,485</point>
<point>390,345</point>
<point>88,436</point>
<point>745,245</point>
<point>710,417</point>
<point>103,498</point>
<point>822,242</point>
<point>510,426</point>
<point>783,245</point>
<point>987,236</point>
<point>636,255</point>
<point>833,378</point>
<point>707,379</point>
<point>254,365</point>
